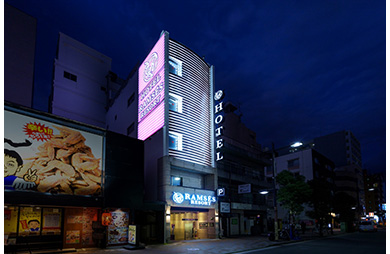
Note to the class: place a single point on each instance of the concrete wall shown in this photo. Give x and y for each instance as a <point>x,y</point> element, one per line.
<point>120,115</point>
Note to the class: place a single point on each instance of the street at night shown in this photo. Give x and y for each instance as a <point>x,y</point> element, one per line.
<point>347,243</point>
<point>203,127</point>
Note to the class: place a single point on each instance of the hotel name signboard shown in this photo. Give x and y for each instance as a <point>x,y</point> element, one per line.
<point>218,109</point>
<point>193,199</point>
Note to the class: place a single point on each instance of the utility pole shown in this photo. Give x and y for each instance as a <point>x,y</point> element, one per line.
<point>276,224</point>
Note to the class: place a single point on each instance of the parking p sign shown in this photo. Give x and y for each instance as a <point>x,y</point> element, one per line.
<point>221,192</point>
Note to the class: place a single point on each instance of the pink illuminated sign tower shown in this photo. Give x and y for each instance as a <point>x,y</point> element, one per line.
<point>151,91</point>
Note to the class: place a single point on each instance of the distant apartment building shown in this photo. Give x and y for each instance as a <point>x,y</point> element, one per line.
<point>19,55</point>
<point>342,147</point>
<point>243,209</point>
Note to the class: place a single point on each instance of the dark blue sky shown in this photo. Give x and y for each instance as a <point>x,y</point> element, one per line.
<point>297,69</point>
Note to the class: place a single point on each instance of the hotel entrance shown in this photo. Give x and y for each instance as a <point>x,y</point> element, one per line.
<point>191,224</point>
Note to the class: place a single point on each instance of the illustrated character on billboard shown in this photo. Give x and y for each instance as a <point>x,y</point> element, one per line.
<point>33,225</point>
<point>13,163</point>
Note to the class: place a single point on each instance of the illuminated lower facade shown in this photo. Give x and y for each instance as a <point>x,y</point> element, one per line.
<point>191,210</point>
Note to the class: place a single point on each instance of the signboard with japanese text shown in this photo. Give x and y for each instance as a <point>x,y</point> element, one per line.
<point>224,207</point>
<point>244,188</point>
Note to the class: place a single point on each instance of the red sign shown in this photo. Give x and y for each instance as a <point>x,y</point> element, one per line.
<point>38,131</point>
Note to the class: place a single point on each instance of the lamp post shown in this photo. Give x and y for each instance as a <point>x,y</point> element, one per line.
<point>295,145</point>
<point>276,224</point>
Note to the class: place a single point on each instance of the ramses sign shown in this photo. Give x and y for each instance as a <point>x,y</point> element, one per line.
<point>218,120</point>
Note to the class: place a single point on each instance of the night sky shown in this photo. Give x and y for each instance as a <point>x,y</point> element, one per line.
<point>296,69</point>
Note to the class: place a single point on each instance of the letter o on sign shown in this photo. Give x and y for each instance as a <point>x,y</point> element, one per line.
<point>218,119</point>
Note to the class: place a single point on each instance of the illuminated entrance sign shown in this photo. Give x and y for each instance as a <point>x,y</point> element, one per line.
<point>218,120</point>
<point>194,199</point>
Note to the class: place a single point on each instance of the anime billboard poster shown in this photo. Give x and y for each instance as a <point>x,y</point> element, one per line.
<point>29,220</point>
<point>46,157</point>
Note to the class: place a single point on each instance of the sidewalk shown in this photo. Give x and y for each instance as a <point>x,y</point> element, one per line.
<point>204,246</point>
<point>207,246</point>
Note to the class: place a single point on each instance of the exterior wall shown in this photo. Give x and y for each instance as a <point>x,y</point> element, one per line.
<point>85,98</point>
<point>153,151</point>
<point>240,135</point>
<point>194,122</point>
<point>122,114</point>
<point>19,55</point>
<point>124,171</point>
<point>305,167</point>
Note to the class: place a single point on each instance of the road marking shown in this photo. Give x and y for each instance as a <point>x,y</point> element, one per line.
<point>262,249</point>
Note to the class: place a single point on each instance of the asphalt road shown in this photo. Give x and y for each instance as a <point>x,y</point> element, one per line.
<point>355,243</point>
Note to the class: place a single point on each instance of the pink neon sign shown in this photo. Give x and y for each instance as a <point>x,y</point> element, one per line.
<point>151,91</point>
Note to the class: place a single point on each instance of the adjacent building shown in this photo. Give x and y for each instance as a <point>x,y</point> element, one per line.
<point>83,84</point>
<point>243,210</point>
<point>343,148</point>
<point>19,56</point>
<point>309,163</point>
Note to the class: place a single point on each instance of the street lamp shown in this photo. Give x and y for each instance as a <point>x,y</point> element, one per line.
<point>297,144</point>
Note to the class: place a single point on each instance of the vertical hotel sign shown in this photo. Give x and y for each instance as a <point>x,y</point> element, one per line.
<point>151,91</point>
<point>218,96</point>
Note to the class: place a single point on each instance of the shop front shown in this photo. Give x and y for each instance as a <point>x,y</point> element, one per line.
<point>62,181</point>
<point>47,227</point>
<point>191,216</point>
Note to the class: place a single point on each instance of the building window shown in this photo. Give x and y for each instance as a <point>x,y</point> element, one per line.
<point>175,66</point>
<point>130,129</point>
<point>176,181</point>
<point>269,170</point>
<point>175,103</point>
<point>175,141</point>
<point>70,76</point>
<point>293,164</point>
<point>130,100</point>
